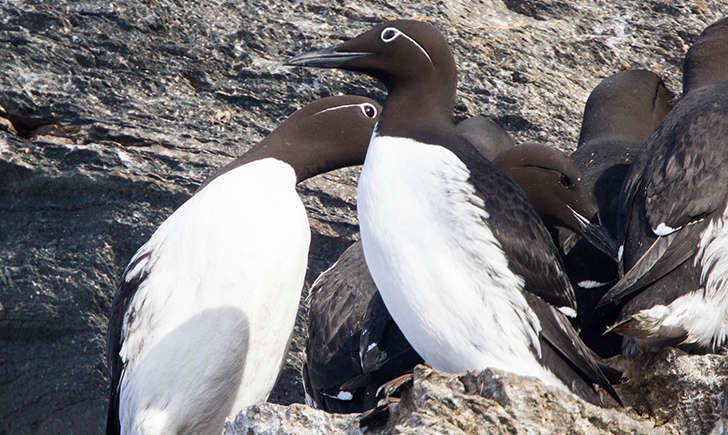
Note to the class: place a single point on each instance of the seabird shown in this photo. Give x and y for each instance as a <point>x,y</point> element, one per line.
<point>706,62</point>
<point>462,261</point>
<point>673,220</point>
<point>203,315</point>
<point>619,116</point>
<point>555,187</point>
<point>353,345</point>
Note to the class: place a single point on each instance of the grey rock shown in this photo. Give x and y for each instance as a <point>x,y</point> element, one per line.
<point>686,391</point>
<point>271,418</point>
<point>496,402</point>
<point>721,426</point>
<point>112,113</point>
<point>665,393</point>
<point>488,402</point>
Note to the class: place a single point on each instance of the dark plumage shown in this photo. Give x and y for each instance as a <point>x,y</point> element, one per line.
<point>489,138</point>
<point>619,116</point>
<point>412,59</point>
<point>706,62</point>
<point>344,301</point>
<point>671,226</point>
<point>353,344</point>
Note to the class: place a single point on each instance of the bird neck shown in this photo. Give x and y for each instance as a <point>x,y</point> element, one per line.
<point>417,105</point>
<point>307,156</point>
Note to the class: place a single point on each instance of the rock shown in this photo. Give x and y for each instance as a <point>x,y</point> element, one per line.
<point>488,402</point>
<point>112,113</point>
<point>494,401</point>
<point>667,392</point>
<point>685,391</point>
<point>721,426</point>
<point>271,418</point>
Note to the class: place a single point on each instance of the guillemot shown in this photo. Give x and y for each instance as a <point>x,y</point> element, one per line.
<point>556,188</point>
<point>706,62</point>
<point>353,345</point>
<point>205,309</point>
<point>462,261</point>
<point>620,114</point>
<point>673,220</point>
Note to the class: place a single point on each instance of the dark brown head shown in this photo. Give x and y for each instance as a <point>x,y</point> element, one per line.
<point>627,106</point>
<point>327,134</point>
<point>553,185</point>
<point>706,62</point>
<point>620,115</point>
<point>411,58</point>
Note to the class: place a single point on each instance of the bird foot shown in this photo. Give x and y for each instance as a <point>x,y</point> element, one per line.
<point>395,386</point>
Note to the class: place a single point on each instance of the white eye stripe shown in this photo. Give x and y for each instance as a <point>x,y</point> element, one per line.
<point>397,33</point>
<point>361,106</point>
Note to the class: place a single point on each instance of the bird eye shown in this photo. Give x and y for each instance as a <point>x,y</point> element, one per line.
<point>368,110</point>
<point>565,180</point>
<point>389,34</point>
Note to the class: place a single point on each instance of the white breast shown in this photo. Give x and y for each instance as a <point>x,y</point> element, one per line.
<point>440,271</point>
<point>207,330</point>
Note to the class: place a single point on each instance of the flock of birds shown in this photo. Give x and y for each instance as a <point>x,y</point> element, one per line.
<point>474,253</point>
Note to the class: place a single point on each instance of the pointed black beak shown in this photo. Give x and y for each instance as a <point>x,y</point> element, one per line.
<point>325,58</point>
<point>598,236</point>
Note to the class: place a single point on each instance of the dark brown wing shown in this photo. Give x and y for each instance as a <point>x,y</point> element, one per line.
<point>521,233</point>
<point>354,345</point>
<point>686,177</point>
<point>130,283</point>
<point>563,352</point>
<point>679,181</point>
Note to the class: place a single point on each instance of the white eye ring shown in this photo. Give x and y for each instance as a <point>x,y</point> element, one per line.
<point>390,38</point>
<point>368,107</point>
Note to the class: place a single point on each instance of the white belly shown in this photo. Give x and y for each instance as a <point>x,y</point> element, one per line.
<point>212,320</point>
<point>440,271</point>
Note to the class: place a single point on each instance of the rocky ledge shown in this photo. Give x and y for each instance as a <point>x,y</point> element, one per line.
<point>666,392</point>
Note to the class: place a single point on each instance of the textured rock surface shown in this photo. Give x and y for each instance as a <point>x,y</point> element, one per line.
<point>489,402</point>
<point>271,418</point>
<point>668,392</point>
<point>114,112</point>
<point>685,391</point>
<point>499,402</point>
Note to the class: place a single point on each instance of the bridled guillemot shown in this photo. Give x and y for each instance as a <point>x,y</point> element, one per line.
<point>354,346</point>
<point>462,261</point>
<point>673,219</point>
<point>205,309</point>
